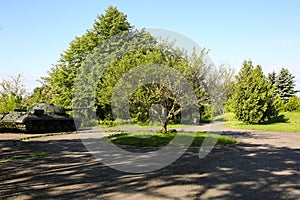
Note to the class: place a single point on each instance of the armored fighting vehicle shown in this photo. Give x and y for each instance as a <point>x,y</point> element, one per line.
<point>42,118</point>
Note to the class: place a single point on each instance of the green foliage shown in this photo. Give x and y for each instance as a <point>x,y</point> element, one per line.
<point>11,93</point>
<point>41,94</point>
<point>229,105</point>
<point>61,78</point>
<point>9,103</point>
<point>111,23</point>
<point>284,85</point>
<point>99,47</point>
<point>278,104</point>
<point>194,69</point>
<point>146,95</point>
<point>107,123</point>
<point>252,100</point>
<point>272,77</point>
<point>293,104</point>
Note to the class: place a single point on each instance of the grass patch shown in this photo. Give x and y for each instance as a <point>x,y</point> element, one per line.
<point>33,155</point>
<point>285,122</point>
<point>153,139</point>
<point>27,139</point>
<point>112,131</point>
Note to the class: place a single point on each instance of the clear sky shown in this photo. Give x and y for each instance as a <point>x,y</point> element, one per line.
<point>34,33</point>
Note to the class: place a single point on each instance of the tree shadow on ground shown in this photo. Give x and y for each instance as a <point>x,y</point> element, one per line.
<point>278,119</point>
<point>243,171</point>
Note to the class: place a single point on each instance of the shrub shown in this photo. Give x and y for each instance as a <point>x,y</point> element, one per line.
<point>107,123</point>
<point>229,105</point>
<point>293,104</point>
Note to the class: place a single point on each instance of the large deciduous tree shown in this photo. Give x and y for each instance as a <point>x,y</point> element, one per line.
<point>139,48</point>
<point>61,77</point>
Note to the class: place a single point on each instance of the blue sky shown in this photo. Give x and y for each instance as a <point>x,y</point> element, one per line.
<point>34,33</point>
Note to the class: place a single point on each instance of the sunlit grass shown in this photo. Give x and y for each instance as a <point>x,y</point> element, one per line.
<point>289,122</point>
<point>154,139</point>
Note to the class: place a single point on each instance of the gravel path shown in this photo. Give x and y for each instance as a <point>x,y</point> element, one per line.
<point>264,165</point>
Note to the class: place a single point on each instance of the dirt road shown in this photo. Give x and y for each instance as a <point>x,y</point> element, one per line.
<point>264,165</point>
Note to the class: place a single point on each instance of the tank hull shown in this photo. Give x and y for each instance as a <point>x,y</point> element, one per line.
<point>38,121</point>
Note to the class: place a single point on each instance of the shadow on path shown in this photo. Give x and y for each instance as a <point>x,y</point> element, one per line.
<point>243,171</point>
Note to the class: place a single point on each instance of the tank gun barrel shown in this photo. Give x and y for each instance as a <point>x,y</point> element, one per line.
<point>20,110</point>
<point>71,109</point>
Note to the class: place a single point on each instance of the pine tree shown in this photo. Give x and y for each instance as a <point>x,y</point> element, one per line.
<point>284,85</point>
<point>272,77</point>
<point>252,100</point>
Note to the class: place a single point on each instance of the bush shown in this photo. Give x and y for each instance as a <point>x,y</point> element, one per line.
<point>107,123</point>
<point>293,104</point>
<point>229,106</point>
<point>9,104</point>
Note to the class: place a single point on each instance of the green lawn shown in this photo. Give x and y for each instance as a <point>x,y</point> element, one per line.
<point>286,122</point>
<point>152,139</point>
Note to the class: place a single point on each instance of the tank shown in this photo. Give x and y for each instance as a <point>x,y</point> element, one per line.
<point>41,118</point>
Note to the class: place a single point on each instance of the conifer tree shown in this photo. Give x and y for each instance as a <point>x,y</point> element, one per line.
<point>284,85</point>
<point>272,77</point>
<point>252,100</point>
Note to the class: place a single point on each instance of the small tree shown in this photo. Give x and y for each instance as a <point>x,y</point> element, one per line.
<point>252,100</point>
<point>278,104</point>
<point>293,104</point>
<point>284,85</point>
<point>11,93</point>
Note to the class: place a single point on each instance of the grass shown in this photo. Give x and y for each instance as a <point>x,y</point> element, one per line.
<point>33,155</point>
<point>285,122</point>
<point>27,139</point>
<point>153,139</point>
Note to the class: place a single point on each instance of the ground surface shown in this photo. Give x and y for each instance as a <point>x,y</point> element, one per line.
<point>264,165</point>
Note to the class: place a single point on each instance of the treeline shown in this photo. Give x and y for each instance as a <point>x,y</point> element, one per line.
<point>141,49</point>
<point>251,95</point>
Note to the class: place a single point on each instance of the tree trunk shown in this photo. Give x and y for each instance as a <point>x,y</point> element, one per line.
<point>200,117</point>
<point>201,111</point>
<point>164,127</point>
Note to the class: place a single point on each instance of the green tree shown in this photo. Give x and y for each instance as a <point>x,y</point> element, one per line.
<point>146,96</point>
<point>12,92</point>
<point>9,103</point>
<point>139,48</point>
<point>278,104</point>
<point>252,100</point>
<point>293,104</point>
<point>61,77</point>
<point>272,77</point>
<point>284,85</point>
